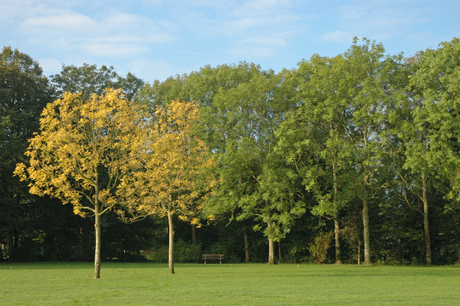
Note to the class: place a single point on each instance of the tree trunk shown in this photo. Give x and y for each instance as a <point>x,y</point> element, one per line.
<point>271,245</point>
<point>359,253</point>
<point>246,246</point>
<point>279,250</point>
<point>193,234</point>
<point>97,252</point>
<point>338,250</point>
<point>171,243</point>
<point>425,221</point>
<point>271,251</point>
<point>367,247</point>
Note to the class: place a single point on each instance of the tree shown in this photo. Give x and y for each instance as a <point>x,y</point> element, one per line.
<point>433,149</point>
<point>241,121</point>
<point>82,152</point>
<point>411,157</point>
<point>24,92</point>
<point>88,79</point>
<point>276,203</point>
<point>312,138</point>
<point>172,162</point>
<point>370,79</point>
<point>343,123</point>
<point>436,82</point>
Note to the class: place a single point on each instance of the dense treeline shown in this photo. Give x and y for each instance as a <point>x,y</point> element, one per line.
<point>358,152</point>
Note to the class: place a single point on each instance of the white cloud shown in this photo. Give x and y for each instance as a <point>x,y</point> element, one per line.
<point>50,65</point>
<point>101,49</point>
<point>114,35</point>
<point>261,8</point>
<point>243,24</point>
<point>380,20</point>
<point>338,36</point>
<point>60,22</point>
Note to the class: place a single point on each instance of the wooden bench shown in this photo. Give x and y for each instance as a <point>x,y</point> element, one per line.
<point>218,257</point>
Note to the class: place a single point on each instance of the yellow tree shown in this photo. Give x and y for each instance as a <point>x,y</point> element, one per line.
<point>174,164</point>
<point>83,151</point>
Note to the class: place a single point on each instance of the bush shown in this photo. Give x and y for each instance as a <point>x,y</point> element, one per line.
<point>318,249</point>
<point>183,252</point>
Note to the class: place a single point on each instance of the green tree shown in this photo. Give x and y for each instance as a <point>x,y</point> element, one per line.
<point>433,149</point>
<point>411,158</point>
<point>24,92</point>
<point>436,82</point>
<point>240,123</point>
<point>312,139</point>
<point>88,79</point>
<point>370,79</point>
<point>82,152</point>
<point>343,124</point>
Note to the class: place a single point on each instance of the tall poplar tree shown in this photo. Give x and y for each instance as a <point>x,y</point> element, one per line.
<point>436,82</point>
<point>433,149</point>
<point>369,80</point>
<point>312,138</point>
<point>412,159</point>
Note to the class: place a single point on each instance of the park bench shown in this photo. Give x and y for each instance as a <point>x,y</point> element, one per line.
<point>218,257</point>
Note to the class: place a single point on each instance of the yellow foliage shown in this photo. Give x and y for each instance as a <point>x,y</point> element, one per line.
<point>84,149</point>
<point>174,160</point>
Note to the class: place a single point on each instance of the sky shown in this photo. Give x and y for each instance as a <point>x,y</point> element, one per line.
<point>156,39</point>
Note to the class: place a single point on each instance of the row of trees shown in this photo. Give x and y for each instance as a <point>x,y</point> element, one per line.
<point>359,126</point>
<point>277,152</point>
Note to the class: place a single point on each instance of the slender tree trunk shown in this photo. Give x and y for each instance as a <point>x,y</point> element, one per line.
<point>425,220</point>
<point>367,247</point>
<point>246,246</point>
<point>279,250</point>
<point>193,234</point>
<point>97,252</point>
<point>338,249</point>
<point>271,246</point>
<point>359,253</point>
<point>271,251</point>
<point>171,243</point>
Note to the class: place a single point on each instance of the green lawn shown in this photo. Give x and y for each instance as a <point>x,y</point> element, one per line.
<point>226,284</point>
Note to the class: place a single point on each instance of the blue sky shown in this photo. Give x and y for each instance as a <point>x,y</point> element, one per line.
<point>155,39</point>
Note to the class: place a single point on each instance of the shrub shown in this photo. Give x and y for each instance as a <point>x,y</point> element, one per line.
<point>183,252</point>
<point>318,249</point>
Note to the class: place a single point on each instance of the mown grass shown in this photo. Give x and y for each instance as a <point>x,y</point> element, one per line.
<point>227,284</point>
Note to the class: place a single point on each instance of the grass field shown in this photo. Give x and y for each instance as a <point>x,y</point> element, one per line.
<point>226,284</point>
